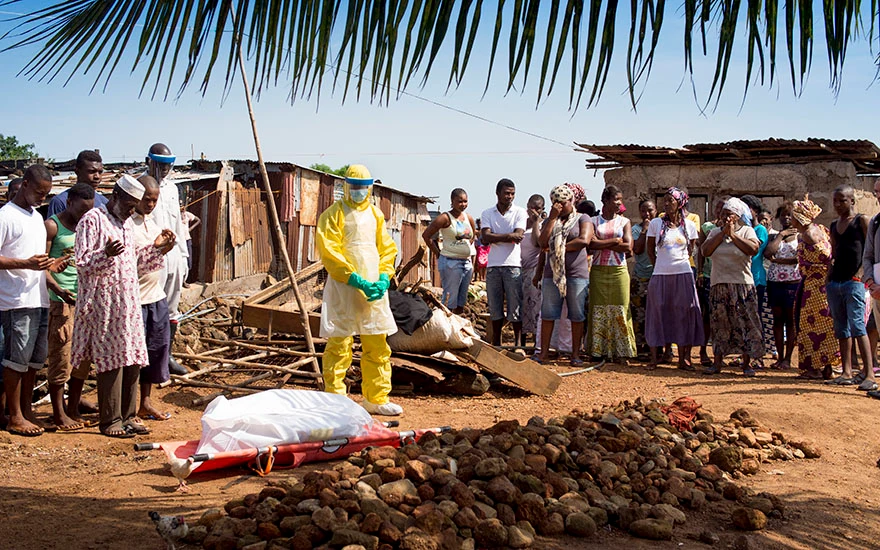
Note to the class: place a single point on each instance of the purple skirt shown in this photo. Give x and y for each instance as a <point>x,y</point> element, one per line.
<point>673,313</point>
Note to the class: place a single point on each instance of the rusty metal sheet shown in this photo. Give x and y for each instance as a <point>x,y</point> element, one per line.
<point>310,198</point>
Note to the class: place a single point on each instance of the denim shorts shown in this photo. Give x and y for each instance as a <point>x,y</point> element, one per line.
<point>455,278</point>
<point>846,300</point>
<point>576,289</point>
<point>26,332</point>
<point>504,283</point>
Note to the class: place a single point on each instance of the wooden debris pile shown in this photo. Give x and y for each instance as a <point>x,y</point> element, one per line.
<point>218,341</point>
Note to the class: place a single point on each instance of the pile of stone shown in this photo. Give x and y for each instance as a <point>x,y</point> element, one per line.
<point>625,467</point>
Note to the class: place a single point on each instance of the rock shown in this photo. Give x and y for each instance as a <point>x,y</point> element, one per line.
<point>600,516</point>
<point>809,449</point>
<point>345,537</point>
<point>669,513</point>
<point>765,505</point>
<point>652,529</point>
<point>678,488</point>
<point>308,506</point>
<point>742,542</point>
<point>728,459</point>
<point>748,519</point>
<point>325,519</point>
<point>708,537</point>
<point>500,489</point>
<point>393,473</point>
<point>553,525</point>
<point>698,499</point>
<point>750,466</point>
<point>530,508</point>
<point>419,540</point>
<point>209,517</point>
<point>268,531</point>
<point>710,472</point>
<point>579,524</point>
<point>484,511</point>
<point>747,436</point>
<point>290,525</point>
<point>490,533</point>
<point>395,492</point>
<point>732,491</point>
<point>519,538</point>
<point>627,515</point>
<point>371,523</point>
<point>418,471</point>
<point>466,519</point>
<point>196,534</point>
<point>389,533</point>
<point>576,501</point>
<point>490,467</point>
<point>379,453</point>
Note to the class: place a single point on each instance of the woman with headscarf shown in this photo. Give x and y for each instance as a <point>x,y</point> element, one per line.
<point>818,351</point>
<point>610,333</point>
<point>736,326</point>
<point>673,312</point>
<point>565,235</point>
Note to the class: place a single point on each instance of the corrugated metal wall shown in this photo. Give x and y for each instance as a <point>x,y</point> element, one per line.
<point>233,238</point>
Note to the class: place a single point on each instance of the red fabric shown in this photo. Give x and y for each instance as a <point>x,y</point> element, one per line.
<point>682,412</point>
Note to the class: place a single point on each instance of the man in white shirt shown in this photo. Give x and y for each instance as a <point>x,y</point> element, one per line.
<point>154,306</point>
<point>160,162</point>
<point>24,300</point>
<point>502,227</point>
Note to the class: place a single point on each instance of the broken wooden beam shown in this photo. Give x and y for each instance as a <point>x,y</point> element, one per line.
<point>526,374</point>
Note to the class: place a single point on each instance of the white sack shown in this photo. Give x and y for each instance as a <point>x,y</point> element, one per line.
<point>442,332</point>
<point>279,416</point>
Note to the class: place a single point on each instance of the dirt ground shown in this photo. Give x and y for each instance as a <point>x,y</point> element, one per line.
<point>83,490</point>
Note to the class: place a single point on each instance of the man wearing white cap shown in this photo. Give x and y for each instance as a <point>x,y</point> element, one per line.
<point>160,162</point>
<point>108,328</point>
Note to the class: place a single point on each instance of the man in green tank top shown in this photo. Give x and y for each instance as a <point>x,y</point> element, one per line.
<point>60,242</point>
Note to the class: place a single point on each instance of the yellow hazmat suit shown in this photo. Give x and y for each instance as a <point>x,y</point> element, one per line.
<point>357,251</point>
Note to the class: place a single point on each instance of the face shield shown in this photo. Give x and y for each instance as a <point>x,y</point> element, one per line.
<point>160,165</point>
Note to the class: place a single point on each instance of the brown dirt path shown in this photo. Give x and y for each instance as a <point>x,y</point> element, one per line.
<point>84,490</point>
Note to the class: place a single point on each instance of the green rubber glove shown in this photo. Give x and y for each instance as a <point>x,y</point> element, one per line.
<point>378,289</point>
<point>359,282</point>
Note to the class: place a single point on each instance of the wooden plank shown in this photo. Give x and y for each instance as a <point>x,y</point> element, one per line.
<point>433,374</point>
<point>260,316</point>
<point>526,374</point>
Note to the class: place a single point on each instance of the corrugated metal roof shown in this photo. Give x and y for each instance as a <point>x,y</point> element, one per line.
<point>864,154</point>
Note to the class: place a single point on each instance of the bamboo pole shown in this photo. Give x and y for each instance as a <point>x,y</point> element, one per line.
<point>267,187</point>
<point>282,351</point>
<point>289,369</point>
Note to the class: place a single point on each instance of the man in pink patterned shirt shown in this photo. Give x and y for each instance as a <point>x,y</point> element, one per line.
<point>108,328</point>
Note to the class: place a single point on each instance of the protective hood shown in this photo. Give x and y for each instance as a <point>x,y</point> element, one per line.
<point>357,175</point>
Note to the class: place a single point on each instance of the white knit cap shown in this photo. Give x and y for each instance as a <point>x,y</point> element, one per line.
<point>131,186</point>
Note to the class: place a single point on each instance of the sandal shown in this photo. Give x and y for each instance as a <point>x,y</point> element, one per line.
<point>577,362</point>
<point>841,381</point>
<point>810,375</point>
<point>123,433</point>
<point>875,394</point>
<point>686,366</point>
<point>136,428</point>
<point>867,385</point>
<point>750,372</point>
<point>712,370</point>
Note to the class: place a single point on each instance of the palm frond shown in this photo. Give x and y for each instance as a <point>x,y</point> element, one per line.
<point>379,46</point>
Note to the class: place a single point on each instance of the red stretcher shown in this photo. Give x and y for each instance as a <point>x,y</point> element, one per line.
<point>264,459</point>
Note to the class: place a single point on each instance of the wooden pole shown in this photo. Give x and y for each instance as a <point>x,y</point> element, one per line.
<point>267,188</point>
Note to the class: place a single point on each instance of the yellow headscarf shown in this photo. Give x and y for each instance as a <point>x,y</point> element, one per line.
<point>805,211</point>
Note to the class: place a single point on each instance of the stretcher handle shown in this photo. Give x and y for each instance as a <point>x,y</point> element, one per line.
<point>391,423</point>
<point>147,447</point>
<point>201,457</point>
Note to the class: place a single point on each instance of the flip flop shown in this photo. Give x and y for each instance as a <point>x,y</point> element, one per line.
<point>124,434</point>
<point>161,417</point>
<point>75,427</point>
<point>841,381</point>
<point>577,362</point>
<point>13,431</point>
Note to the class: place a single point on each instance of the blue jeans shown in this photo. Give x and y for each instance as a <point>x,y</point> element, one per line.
<point>504,283</point>
<point>26,333</point>
<point>455,277</point>
<point>576,289</point>
<point>846,301</point>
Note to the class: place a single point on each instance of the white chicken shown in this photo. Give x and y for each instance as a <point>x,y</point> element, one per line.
<point>181,468</point>
<point>171,528</point>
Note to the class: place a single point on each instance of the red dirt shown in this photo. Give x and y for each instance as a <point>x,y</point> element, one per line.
<point>83,490</point>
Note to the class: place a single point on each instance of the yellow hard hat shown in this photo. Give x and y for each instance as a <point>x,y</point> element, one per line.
<point>358,174</point>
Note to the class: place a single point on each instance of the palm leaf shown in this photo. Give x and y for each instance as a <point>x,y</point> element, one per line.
<point>180,42</point>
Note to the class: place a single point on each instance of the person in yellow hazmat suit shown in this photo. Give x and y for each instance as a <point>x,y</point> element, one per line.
<point>358,254</point>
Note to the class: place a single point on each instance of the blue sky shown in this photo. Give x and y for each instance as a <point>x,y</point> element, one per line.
<point>425,149</point>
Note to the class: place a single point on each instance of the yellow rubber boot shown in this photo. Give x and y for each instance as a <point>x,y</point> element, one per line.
<point>336,360</point>
<point>376,375</point>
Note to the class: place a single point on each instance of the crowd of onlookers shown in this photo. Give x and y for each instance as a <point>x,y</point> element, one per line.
<point>752,284</point>
<point>94,283</point>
